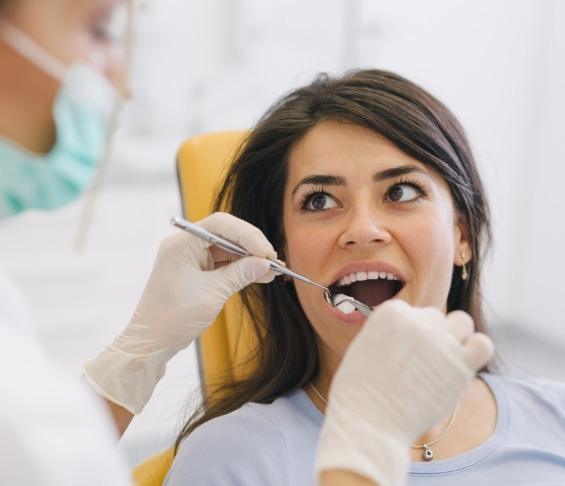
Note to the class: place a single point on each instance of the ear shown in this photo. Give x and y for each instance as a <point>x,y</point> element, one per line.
<point>463,247</point>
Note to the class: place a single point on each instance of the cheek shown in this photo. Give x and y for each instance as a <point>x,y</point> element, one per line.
<point>429,246</point>
<point>301,255</point>
<point>306,247</point>
<point>308,252</point>
<point>428,237</point>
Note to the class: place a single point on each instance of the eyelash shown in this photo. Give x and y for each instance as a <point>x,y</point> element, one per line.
<point>322,191</point>
<point>312,192</point>
<point>418,186</point>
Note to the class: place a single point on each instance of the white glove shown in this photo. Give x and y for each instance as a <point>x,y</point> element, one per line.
<point>404,371</point>
<point>188,287</point>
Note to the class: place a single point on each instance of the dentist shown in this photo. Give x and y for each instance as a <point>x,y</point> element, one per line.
<point>60,78</point>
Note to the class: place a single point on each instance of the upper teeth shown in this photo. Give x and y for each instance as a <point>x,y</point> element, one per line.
<point>357,276</point>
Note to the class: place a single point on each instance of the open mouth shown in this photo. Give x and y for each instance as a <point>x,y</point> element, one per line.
<point>372,288</point>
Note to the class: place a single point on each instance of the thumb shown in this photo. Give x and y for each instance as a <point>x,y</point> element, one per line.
<point>478,350</point>
<point>242,272</point>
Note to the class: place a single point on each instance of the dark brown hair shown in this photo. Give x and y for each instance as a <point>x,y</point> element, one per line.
<point>4,4</point>
<point>408,116</point>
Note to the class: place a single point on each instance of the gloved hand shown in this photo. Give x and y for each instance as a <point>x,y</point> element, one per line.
<point>404,371</point>
<point>188,287</point>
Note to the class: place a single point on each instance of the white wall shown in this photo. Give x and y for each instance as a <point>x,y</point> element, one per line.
<point>498,64</point>
<point>217,64</point>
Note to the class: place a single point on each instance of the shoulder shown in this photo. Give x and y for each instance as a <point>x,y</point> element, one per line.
<point>240,448</point>
<point>554,391</point>
<point>34,417</point>
<point>247,447</point>
<point>533,387</point>
<point>14,313</point>
<point>545,396</point>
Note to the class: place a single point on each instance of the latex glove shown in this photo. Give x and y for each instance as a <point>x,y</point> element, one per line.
<point>188,287</point>
<point>404,371</point>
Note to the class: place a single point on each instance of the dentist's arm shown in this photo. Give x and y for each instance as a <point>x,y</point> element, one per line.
<point>122,416</point>
<point>344,478</point>
<point>381,402</point>
<point>188,287</point>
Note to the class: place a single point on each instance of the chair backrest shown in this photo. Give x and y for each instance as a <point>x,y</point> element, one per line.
<point>153,471</point>
<point>225,348</point>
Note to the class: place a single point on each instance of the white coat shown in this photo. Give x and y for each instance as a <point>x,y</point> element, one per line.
<point>53,429</point>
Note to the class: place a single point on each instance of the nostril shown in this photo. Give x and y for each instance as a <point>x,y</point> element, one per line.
<point>369,236</point>
<point>374,241</point>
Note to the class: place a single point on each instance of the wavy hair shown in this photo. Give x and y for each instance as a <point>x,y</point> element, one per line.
<point>392,106</point>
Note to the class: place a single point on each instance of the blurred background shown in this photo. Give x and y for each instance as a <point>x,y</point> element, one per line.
<point>218,64</point>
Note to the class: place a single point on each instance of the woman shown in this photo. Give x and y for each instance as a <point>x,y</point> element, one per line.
<point>366,184</point>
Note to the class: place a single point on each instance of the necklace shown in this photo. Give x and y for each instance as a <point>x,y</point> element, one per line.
<point>428,453</point>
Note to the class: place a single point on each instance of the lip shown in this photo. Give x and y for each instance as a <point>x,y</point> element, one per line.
<point>356,317</point>
<point>367,266</point>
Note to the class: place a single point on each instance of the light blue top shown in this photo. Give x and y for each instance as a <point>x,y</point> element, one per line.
<point>268,445</point>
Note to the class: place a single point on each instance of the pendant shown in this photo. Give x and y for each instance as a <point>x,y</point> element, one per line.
<point>428,453</point>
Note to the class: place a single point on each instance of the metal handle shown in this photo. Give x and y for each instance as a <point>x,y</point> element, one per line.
<point>233,247</point>
<point>197,230</point>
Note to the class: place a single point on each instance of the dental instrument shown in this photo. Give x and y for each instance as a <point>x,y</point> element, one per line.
<point>347,305</point>
<point>230,246</point>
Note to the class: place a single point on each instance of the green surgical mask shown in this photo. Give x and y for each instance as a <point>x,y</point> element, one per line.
<point>81,113</point>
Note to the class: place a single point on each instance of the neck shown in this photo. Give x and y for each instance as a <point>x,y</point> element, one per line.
<point>328,367</point>
<point>329,363</point>
<point>27,96</point>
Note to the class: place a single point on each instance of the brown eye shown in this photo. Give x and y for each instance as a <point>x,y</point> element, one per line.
<point>395,194</point>
<point>403,193</point>
<point>319,201</point>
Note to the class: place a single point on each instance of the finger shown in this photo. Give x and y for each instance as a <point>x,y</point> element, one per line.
<point>398,308</point>
<point>222,257</point>
<point>247,270</point>
<point>267,278</point>
<point>429,316</point>
<point>389,308</point>
<point>240,232</point>
<point>478,350</point>
<point>460,324</point>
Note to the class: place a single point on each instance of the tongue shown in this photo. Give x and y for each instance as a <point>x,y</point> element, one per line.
<point>374,292</point>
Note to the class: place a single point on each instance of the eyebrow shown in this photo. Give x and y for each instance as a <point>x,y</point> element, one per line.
<point>398,171</point>
<point>320,180</point>
<point>331,180</point>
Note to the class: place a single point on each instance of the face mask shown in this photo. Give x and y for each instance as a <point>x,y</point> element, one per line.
<point>81,113</point>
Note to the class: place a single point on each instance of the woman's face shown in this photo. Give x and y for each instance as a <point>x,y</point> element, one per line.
<point>363,217</point>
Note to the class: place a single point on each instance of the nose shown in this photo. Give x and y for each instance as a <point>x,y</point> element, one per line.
<point>117,71</point>
<point>364,227</point>
<point>112,62</point>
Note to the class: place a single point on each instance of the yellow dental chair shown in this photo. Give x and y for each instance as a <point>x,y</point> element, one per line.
<point>224,349</point>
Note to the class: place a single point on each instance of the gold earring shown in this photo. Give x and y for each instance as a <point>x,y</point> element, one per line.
<point>464,272</point>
